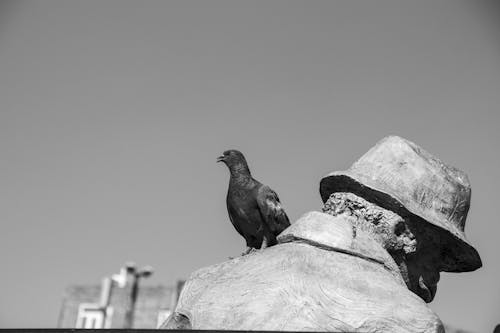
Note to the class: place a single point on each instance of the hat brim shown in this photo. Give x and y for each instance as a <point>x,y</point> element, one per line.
<point>458,256</point>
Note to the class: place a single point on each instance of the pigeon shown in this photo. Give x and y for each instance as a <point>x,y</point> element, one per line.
<point>254,209</point>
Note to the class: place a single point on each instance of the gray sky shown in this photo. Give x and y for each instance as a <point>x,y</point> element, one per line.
<point>112,114</point>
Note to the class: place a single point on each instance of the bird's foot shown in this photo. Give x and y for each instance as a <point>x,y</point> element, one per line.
<point>248,251</point>
<point>265,243</point>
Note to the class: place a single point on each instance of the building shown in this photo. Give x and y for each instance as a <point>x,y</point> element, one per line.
<point>112,304</point>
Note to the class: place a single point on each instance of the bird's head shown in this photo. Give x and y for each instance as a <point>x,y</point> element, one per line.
<point>234,160</point>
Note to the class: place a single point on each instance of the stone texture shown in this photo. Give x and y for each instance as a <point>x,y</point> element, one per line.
<point>319,278</point>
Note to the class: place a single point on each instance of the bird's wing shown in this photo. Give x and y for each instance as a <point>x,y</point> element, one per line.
<point>231,212</point>
<point>271,210</point>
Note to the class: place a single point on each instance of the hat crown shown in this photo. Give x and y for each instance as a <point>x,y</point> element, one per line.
<point>422,183</point>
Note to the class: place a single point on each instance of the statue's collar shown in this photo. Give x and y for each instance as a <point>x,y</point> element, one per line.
<point>336,233</point>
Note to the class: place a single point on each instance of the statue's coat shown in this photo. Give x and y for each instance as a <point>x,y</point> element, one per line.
<point>321,277</point>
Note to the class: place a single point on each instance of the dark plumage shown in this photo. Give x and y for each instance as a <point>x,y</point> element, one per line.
<point>254,209</point>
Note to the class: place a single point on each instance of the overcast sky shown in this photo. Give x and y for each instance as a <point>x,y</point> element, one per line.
<point>112,114</point>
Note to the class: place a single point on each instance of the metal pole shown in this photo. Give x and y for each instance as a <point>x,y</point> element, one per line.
<point>136,275</point>
<point>129,315</point>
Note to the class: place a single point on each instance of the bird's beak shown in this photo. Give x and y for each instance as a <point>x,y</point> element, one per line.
<point>220,159</point>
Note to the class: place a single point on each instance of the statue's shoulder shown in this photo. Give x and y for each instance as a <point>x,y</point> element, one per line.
<point>306,280</point>
<point>204,278</point>
<point>211,272</point>
<point>318,271</point>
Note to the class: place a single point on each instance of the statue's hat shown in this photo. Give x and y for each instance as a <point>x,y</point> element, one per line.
<point>397,174</point>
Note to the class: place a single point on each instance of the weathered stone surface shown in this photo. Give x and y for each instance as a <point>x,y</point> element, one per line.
<point>328,232</point>
<point>319,278</point>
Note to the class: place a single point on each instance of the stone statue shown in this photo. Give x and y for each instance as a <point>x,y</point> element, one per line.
<point>368,263</point>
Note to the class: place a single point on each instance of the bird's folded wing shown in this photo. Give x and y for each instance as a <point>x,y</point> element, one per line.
<point>271,210</point>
